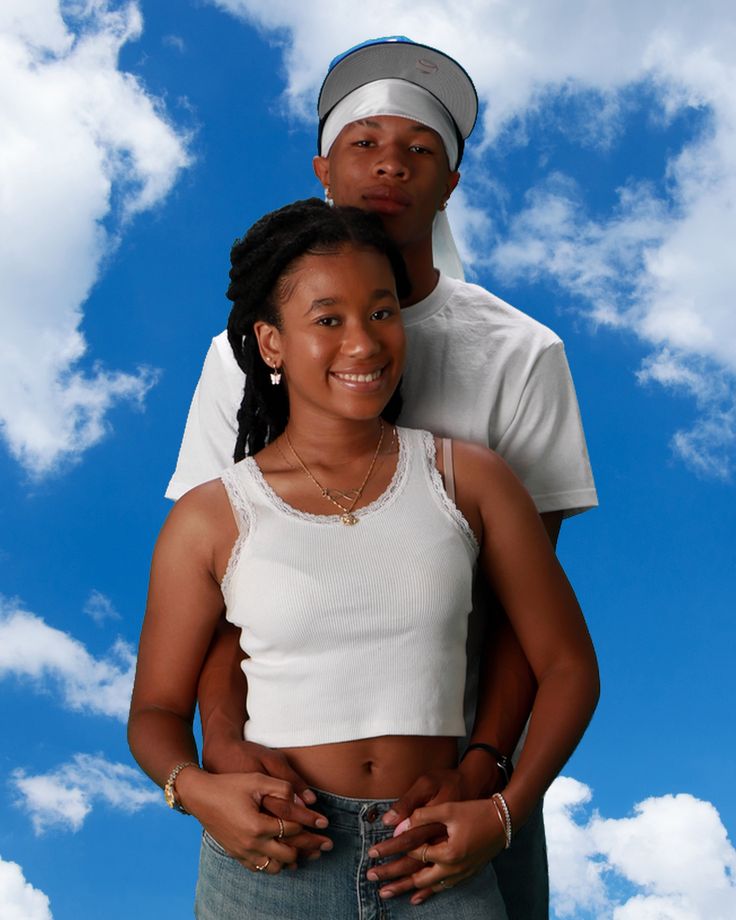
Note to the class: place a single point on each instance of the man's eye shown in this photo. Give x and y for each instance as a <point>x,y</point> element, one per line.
<point>417,148</point>
<point>384,313</point>
<point>327,321</point>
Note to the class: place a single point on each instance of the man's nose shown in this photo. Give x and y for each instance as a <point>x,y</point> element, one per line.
<point>392,162</point>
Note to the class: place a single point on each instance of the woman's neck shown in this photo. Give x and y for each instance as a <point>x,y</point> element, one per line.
<point>333,442</point>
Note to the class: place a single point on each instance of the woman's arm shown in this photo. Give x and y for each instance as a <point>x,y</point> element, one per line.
<point>518,560</point>
<point>184,605</point>
<point>517,557</point>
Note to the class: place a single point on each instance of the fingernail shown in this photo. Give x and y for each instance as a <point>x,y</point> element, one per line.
<point>327,845</point>
<point>321,822</point>
<point>371,875</point>
<point>386,894</point>
<point>309,796</point>
<point>298,800</point>
<point>313,856</point>
<point>373,854</point>
<point>390,817</point>
<point>400,828</point>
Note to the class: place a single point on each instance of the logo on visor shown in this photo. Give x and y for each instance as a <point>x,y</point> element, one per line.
<point>425,66</point>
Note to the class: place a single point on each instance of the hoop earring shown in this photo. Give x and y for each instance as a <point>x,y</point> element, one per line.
<point>275,376</point>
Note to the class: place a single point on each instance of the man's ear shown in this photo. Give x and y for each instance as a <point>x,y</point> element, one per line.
<point>321,167</point>
<point>269,342</point>
<point>452,181</point>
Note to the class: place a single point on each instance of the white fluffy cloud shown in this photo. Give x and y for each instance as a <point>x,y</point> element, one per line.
<point>31,649</point>
<point>660,264</point>
<point>65,796</point>
<point>672,858</point>
<point>84,148</point>
<point>19,900</point>
<point>100,608</point>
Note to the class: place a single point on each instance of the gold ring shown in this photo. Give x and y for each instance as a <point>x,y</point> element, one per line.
<point>281,829</point>
<point>424,853</point>
<point>265,865</point>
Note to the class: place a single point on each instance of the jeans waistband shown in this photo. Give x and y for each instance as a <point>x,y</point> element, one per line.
<point>349,813</point>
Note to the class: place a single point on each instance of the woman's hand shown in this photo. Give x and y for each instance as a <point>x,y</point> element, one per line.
<point>432,788</point>
<point>228,756</point>
<point>475,835</point>
<point>228,806</point>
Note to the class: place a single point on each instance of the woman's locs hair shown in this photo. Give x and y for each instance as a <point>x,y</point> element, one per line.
<point>260,262</point>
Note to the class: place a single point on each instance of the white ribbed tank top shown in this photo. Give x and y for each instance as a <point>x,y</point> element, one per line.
<point>352,632</point>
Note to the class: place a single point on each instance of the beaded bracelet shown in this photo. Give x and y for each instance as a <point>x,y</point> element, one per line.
<point>504,816</point>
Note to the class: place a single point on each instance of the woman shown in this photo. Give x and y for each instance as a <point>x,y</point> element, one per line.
<point>355,666</point>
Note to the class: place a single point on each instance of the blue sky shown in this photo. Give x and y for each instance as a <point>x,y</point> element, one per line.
<point>598,194</point>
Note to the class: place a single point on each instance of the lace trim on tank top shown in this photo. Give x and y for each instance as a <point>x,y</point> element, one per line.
<point>448,504</point>
<point>243,512</point>
<point>393,488</point>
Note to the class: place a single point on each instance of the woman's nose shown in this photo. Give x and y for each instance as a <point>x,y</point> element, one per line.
<point>360,341</point>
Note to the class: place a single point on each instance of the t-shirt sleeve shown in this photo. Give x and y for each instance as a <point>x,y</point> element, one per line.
<point>211,429</point>
<point>544,443</point>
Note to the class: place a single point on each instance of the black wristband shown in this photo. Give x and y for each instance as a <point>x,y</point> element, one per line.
<point>502,761</point>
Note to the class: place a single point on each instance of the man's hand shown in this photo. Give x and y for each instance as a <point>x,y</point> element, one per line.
<point>246,757</point>
<point>434,788</point>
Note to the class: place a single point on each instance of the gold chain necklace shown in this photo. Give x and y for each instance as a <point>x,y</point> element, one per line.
<point>347,517</point>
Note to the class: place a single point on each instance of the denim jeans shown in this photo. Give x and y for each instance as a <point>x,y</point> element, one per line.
<point>522,872</point>
<point>334,887</point>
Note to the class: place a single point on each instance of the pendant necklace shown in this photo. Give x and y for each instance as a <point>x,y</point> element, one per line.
<point>347,517</point>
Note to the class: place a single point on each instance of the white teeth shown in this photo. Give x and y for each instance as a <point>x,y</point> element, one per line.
<point>360,378</point>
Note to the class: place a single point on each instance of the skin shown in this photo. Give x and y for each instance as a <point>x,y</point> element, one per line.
<point>342,318</point>
<point>398,169</point>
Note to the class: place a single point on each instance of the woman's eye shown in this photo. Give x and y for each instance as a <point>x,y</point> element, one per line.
<point>327,321</point>
<point>363,142</point>
<point>385,313</point>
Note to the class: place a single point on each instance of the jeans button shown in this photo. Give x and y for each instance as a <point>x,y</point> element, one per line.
<point>371,814</point>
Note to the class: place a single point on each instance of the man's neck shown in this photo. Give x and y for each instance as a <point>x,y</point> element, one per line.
<point>422,273</point>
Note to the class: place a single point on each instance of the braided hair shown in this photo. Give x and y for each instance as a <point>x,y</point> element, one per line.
<point>260,263</point>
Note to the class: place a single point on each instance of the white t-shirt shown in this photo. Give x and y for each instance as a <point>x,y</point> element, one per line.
<point>477,369</point>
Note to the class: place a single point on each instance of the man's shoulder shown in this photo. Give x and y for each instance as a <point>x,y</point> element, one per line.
<point>471,303</point>
<point>220,358</point>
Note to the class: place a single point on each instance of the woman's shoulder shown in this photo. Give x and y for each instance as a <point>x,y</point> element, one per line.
<point>200,511</point>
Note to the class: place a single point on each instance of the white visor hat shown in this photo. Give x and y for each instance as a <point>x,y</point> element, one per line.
<point>391,97</point>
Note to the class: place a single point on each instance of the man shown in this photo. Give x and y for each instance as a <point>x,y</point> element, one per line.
<point>394,116</point>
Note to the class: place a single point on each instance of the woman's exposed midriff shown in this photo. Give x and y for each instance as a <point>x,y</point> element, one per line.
<point>372,768</point>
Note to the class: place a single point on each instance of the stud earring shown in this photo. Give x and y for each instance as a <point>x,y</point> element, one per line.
<point>328,197</point>
<point>443,206</point>
<point>275,376</point>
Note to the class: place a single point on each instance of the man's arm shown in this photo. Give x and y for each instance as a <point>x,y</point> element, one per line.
<point>505,695</point>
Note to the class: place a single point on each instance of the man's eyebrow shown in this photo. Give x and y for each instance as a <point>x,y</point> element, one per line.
<point>416,126</point>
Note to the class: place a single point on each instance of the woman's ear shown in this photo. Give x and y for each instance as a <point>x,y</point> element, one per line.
<point>269,342</point>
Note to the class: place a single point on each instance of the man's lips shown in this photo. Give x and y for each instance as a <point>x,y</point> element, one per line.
<point>386,197</point>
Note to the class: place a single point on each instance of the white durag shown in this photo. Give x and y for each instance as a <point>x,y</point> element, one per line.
<point>399,97</point>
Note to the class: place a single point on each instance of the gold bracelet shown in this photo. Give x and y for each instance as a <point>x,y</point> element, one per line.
<point>169,791</point>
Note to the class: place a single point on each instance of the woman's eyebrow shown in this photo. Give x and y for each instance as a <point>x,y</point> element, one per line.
<point>321,302</point>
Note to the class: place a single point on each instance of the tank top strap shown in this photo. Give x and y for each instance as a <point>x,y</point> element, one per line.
<point>242,507</point>
<point>429,452</point>
<point>234,480</point>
